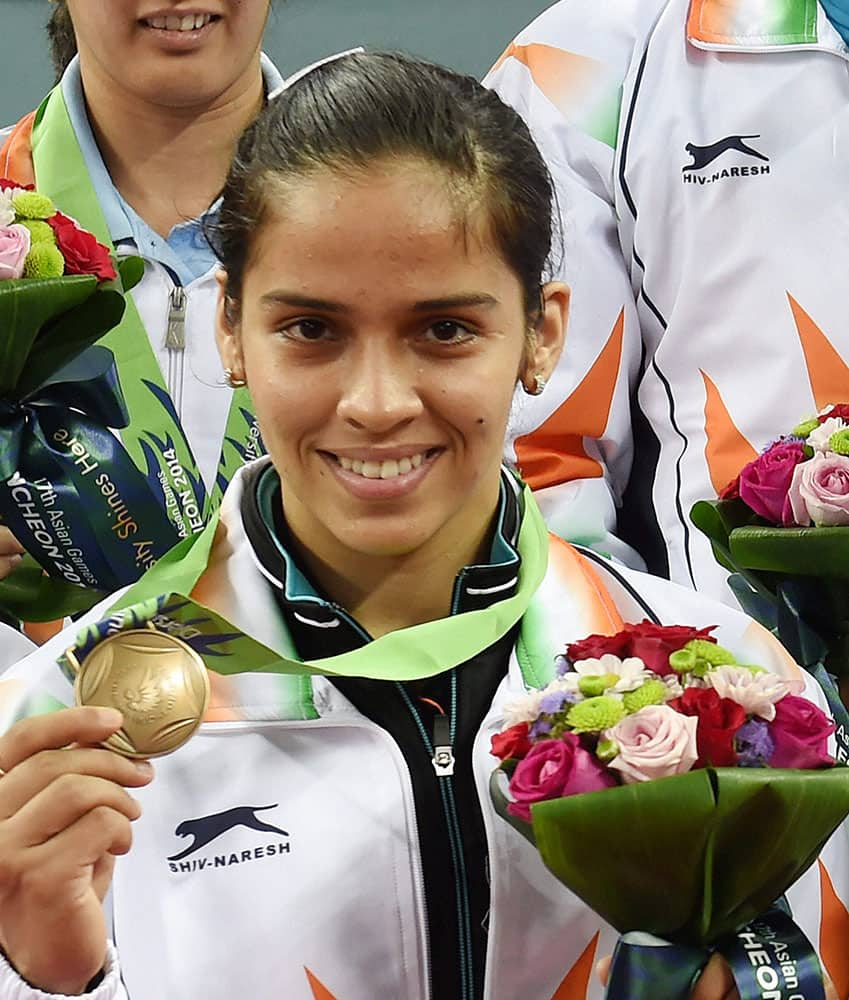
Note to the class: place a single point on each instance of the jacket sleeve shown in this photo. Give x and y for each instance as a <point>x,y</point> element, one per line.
<point>33,686</point>
<point>564,74</point>
<point>12,987</point>
<point>14,646</point>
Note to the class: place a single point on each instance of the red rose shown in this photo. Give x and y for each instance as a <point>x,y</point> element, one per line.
<point>800,731</point>
<point>595,646</point>
<point>513,742</point>
<point>732,490</point>
<point>765,481</point>
<point>838,410</point>
<point>82,253</point>
<point>653,643</point>
<point>719,720</point>
<point>555,768</point>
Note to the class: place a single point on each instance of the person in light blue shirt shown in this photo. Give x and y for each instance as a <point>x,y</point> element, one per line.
<point>153,102</point>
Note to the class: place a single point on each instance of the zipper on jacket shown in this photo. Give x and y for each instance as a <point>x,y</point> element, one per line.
<point>175,343</point>
<point>440,747</point>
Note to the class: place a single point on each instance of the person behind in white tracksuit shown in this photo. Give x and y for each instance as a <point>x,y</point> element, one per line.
<point>384,296</point>
<point>699,150</point>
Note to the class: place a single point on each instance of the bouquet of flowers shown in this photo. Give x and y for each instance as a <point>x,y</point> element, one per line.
<point>659,731</point>
<point>89,519</point>
<point>780,527</point>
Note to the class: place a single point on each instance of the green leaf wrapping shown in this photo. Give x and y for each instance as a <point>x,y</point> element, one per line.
<point>25,307</point>
<point>695,856</point>
<point>818,552</point>
<point>27,594</point>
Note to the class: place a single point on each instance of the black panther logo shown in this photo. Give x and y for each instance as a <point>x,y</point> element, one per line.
<point>705,155</point>
<point>205,829</point>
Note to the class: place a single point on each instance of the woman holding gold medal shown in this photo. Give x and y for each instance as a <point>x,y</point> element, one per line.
<point>328,830</point>
<point>134,143</point>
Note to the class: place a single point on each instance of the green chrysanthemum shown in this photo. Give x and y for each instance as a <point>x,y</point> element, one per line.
<point>44,261</point>
<point>698,656</point>
<point>595,714</point>
<point>592,685</point>
<point>803,429</point>
<point>839,442</point>
<point>32,205</point>
<point>649,693</point>
<point>40,231</point>
<point>607,750</point>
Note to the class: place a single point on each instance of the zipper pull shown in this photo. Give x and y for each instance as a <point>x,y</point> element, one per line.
<point>175,334</point>
<point>443,755</point>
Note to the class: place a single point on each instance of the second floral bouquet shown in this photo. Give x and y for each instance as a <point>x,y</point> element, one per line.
<point>705,784</point>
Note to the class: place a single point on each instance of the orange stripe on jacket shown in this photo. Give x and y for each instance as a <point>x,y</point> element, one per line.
<point>577,982</point>
<point>827,370</point>
<point>554,452</point>
<point>566,78</point>
<point>319,990</point>
<point>16,152</point>
<point>834,934</point>
<point>726,450</point>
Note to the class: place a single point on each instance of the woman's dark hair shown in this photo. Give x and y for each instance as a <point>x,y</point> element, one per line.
<point>364,107</point>
<point>63,41</point>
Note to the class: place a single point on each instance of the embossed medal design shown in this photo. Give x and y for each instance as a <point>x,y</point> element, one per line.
<point>157,681</point>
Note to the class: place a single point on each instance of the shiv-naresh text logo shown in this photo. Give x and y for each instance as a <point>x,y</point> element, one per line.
<point>703,157</point>
<point>207,829</point>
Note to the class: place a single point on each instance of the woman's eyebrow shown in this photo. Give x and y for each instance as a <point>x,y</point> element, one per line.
<point>284,298</point>
<point>457,301</point>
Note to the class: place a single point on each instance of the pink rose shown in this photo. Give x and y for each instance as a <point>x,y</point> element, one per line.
<point>765,481</point>
<point>819,490</point>
<point>654,743</point>
<point>800,731</point>
<point>553,769</point>
<point>14,247</point>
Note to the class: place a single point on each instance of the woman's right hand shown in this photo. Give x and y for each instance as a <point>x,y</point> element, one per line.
<point>11,552</point>
<point>64,817</point>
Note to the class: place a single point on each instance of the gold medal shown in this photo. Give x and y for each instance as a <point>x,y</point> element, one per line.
<point>157,682</point>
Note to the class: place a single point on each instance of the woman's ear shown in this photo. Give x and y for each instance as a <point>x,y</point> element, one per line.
<point>227,332</point>
<point>546,342</point>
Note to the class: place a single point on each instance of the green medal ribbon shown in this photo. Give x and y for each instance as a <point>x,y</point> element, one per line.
<point>160,597</point>
<point>154,438</point>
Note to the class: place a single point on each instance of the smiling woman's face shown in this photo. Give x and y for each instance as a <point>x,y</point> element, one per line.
<point>170,52</point>
<point>381,339</point>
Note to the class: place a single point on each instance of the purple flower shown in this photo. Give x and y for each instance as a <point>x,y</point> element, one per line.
<point>539,728</point>
<point>562,664</point>
<point>755,745</point>
<point>552,703</point>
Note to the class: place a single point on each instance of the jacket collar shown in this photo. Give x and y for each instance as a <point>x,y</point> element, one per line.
<point>761,25</point>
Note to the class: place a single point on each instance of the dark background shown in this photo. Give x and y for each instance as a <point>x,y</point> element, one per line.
<point>465,34</point>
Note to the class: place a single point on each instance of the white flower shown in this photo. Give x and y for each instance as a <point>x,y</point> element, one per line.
<point>819,437</point>
<point>756,692</point>
<point>630,671</point>
<point>673,685</point>
<point>523,709</point>
<point>7,209</point>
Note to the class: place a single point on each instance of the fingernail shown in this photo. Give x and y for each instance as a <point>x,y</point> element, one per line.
<point>145,768</point>
<point>109,717</point>
<point>15,561</point>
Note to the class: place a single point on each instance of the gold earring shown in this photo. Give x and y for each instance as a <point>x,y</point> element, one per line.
<point>538,386</point>
<point>233,380</point>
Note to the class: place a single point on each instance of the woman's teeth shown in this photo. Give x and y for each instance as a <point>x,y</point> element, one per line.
<point>189,22</point>
<point>382,470</point>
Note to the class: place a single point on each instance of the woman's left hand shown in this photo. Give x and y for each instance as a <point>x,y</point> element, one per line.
<point>715,982</point>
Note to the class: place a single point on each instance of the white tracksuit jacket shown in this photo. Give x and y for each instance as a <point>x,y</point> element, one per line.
<point>329,902</point>
<point>700,150</point>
